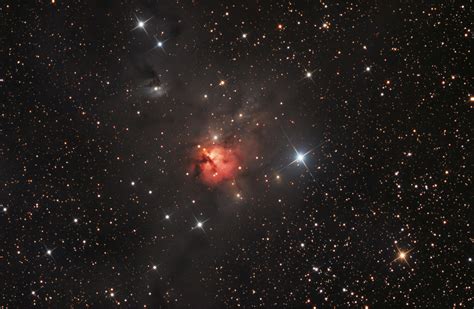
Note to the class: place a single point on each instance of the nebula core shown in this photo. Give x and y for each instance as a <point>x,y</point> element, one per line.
<point>216,164</point>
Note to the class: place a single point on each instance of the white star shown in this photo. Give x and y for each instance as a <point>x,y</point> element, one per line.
<point>309,74</point>
<point>159,43</point>
<point>141,24</point>
<point>200,224</point>
<point>299,157</point>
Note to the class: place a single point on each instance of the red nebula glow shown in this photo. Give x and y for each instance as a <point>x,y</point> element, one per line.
<point>216,164</point>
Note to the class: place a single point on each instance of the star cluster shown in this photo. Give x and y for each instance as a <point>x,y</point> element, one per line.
<point>223,154</point>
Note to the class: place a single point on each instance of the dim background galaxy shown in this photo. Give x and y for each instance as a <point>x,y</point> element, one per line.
<point>224,154</point>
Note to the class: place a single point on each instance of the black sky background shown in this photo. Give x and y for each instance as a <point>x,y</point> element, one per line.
<point>391,158</point>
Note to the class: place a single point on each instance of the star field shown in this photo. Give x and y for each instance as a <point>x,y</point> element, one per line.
<point>224,154</point>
